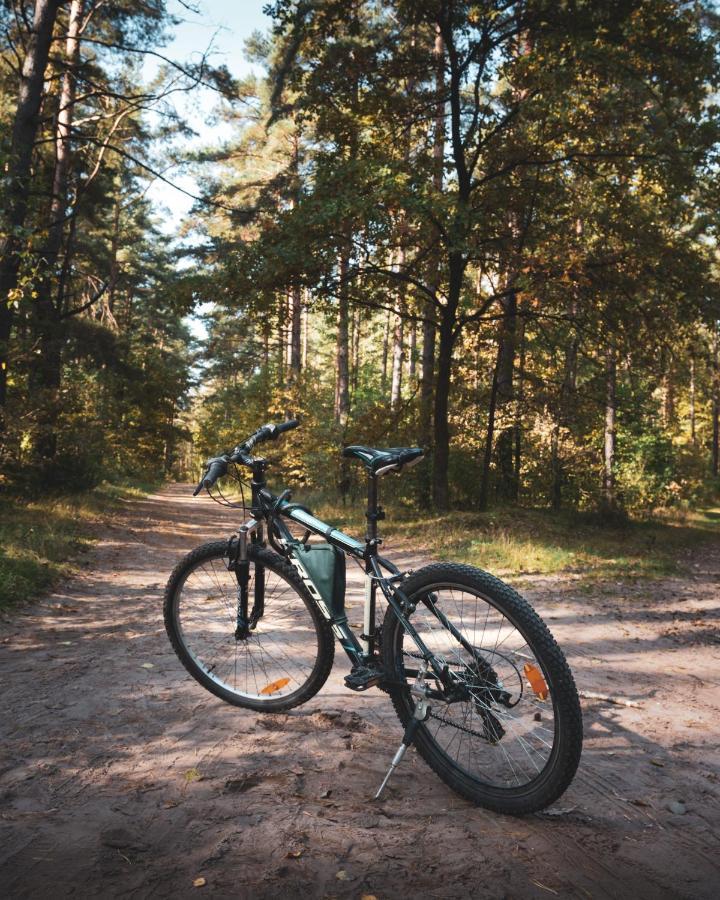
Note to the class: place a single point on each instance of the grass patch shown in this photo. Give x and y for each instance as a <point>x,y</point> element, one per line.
<point>514,542</point>
<point>41,539</point>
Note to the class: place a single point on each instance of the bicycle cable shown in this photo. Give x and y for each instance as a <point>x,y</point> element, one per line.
<point>226,501</point>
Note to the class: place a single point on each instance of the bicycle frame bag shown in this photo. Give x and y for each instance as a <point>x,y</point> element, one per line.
<point>325,565</point>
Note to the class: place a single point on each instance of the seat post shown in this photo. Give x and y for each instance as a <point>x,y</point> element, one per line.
<point>373,512</point>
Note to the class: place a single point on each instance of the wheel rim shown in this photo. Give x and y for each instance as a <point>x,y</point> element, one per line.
<point>277,659</point>
<point>500,746</point>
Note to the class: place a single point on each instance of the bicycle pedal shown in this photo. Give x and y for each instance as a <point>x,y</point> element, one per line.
<point>362,678</point>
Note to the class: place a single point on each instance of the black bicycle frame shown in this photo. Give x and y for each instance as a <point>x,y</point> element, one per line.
<point>266,506</point>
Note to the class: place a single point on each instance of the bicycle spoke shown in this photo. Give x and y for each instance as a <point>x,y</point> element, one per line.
<point>497,745</point>
<point>283,648</point>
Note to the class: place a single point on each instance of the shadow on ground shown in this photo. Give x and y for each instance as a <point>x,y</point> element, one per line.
<point>120,776</point>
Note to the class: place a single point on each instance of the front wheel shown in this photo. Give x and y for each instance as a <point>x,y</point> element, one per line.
<point>508,735</point>
<point>278,663</point>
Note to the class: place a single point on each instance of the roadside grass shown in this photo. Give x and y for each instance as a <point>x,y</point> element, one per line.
<point>514,542</point>
<point>40,540</point>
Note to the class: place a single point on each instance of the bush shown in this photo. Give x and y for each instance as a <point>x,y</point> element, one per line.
<point>647,470</point>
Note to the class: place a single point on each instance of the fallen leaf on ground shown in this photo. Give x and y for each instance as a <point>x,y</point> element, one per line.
<point>148,666</point>
<point>199,882</point>
<point>293,854</point>
<point>192,775</point>
<point>342,875</point>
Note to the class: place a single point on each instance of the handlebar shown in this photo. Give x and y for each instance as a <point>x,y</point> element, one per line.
<point>266,433</point>
<point>217,466</point>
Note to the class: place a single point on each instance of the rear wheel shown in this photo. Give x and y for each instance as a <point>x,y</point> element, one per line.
<point>509,736</point>
<point>282,662</point>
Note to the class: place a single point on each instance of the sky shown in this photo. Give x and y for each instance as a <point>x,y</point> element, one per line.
<point>223,25</point>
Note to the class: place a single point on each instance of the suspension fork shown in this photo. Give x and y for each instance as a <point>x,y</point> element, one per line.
<point>245,623</point>
<point>258,597</point>
<point>259,587</point>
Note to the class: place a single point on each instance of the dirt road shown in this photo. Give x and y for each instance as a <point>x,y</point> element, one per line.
<point>119,776</point>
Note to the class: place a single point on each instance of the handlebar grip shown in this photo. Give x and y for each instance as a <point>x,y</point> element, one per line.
<point>286,426</point>
<point>216,468</point>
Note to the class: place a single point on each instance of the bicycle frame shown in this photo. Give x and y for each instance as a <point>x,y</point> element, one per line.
<point>361,652</point>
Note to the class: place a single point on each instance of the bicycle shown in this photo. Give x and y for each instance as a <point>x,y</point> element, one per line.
<point>475,677</point>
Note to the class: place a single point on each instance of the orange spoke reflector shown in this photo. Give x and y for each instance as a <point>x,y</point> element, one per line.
<point>537,682</point>
<point>276,685</point>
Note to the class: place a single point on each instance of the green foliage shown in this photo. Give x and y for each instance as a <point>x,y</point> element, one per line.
<point>532,186</point>
<point>575,160</point>
<point>647,470</point>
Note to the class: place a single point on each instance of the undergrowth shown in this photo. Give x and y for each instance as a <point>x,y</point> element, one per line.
<point>515,542</point>
<point>41,539</point>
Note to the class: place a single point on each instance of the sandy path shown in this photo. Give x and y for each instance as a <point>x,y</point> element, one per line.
<point>98,794</point>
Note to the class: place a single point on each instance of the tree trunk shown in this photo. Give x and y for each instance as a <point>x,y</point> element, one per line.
<point>427,371</point>
<point>114,249</point>
<point>441,456</point>
<point>487,456</point>
<point>506,483</point>
<point>266,346</point>
<point>342,356</point>
<point>668,390</point>
<point>356,351</point>
<point>693,434</point>
<point>15,201</point>
<point>455,241</point>
<point>716,400</point>
<point>306,329</point>
<point>412,353</point>
<point>609,494</point>
<point>519,409</point>
<point>46,372</point>
<point>169,449</point>
<point>385,353</point>
<point>567,388</point>
<point>281,349</point>
<point>295,332</point>
<point>427,384</point>
<point>398,346</point>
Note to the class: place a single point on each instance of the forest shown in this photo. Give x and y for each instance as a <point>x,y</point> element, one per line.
<point>487,228</point>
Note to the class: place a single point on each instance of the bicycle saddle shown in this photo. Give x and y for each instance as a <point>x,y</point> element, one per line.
<point>377,462</point>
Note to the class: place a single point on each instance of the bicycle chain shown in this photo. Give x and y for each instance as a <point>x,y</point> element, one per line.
<point>443,719</point>
<point>457,725</point>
